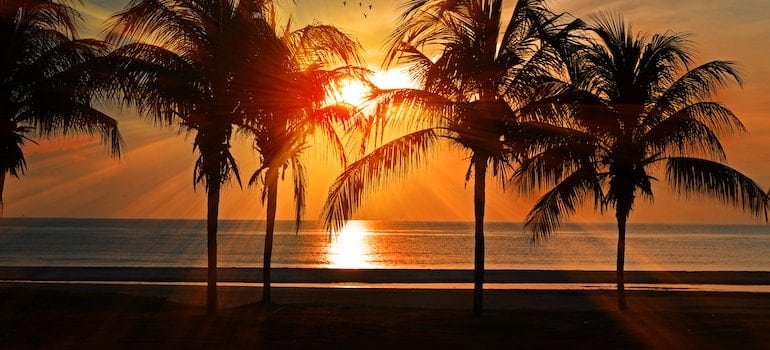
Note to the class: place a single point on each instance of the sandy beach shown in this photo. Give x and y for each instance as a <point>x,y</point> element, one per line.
<point>41,315</point>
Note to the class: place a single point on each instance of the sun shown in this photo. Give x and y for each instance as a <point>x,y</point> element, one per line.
<point>355,92</point>
<point>349,91</point>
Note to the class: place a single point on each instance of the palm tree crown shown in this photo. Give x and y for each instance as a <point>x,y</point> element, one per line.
<point>634,103</point>
<point>44,84</point>
<point>475,73</point>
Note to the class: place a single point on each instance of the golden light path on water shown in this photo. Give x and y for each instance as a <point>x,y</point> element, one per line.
<point>350,248</point>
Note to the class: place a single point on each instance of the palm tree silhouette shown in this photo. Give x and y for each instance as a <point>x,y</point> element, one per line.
<point>289,107</point>
<point>44,83</point>
<point>635,103</point>
<point>470,96</point>
<point>191,63</point>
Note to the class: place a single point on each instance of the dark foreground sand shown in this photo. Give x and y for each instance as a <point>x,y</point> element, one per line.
<point>172,317</point>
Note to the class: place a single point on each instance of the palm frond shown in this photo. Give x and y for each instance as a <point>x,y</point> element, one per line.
<point>391,160</point>
<point>48,86</point>
<point>695,86</point>
<point>695,127</point>
<point>323,45</point>
<point>682,134</point>
<point>172,24</point>
<point>405,109</point>
<point>553,153</point>
<point>662,57</point>
<point>715,115</point>
<point>300,186</point>
<point>45,14</point>
<point>613,61</point>
<point>417,61</point>
<point>65,117</point>
<point>12,160</point>
<point>562,200</point>
<point>327,119</point>
<point>158,82</point>
<point>694,176</point>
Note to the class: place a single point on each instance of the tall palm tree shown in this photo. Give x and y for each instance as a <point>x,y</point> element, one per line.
<point>44,86</point>
<point>290,106</point>
<point>636,104</point>
<point>187,63</point>
<point>484,71</point>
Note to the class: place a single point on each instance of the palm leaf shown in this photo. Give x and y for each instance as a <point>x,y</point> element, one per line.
<point>300,186</point>
<point>696,176</point>
<point>391,160</point>
<point>680,134</point>
<point>327,119</point>
<point>554,153</point>
<point>563,199</point>
<point>168,23</point>
<point>660,60</point>
<point>694,86</point>
<point>405,110</point>
<point>323,45</point>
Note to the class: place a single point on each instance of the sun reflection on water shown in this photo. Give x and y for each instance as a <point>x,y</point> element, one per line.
<point>350,248</point>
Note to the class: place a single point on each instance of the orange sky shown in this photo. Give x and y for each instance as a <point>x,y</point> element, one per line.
<point>75,178</point>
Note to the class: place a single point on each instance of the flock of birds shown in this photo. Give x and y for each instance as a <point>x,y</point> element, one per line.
<point>360,5</point>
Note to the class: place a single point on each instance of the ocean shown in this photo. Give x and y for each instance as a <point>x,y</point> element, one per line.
<point>375,244</point>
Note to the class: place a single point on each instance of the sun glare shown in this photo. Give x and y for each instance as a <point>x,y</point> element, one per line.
<point>393,79</point>
<point>355,92</point>
<point>349,91</point>
<point>350,247</point>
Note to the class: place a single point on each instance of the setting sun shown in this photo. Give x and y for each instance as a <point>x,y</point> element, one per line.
<point>355,92</point>
<point>349,91</point>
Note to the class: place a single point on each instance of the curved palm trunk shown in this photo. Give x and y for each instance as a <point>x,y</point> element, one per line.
<point>211,226</point>
<point>479,199</point>
<point>272,195</point>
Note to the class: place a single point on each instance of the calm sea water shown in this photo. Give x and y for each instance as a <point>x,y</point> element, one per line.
<point>367,244</point>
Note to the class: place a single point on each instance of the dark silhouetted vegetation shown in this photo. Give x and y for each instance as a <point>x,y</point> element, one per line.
<point>45,88</point>
<point>633,104</point>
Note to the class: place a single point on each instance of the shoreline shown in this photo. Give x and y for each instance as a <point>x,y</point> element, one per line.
<point>377,276</point>
<point>568,300</point>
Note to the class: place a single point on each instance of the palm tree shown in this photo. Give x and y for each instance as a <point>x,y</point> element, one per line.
<point>289,107</point>
<point>470,94</point>
<point>634,104</point>
<point>43,80</point>
<point>189,63</point>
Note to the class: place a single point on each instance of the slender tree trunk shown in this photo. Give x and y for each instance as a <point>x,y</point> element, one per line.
<point>272,195</point>
<point>622,218</point>
<point>211,225</point>
<point>479,198</point>
<point>2,186</point>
